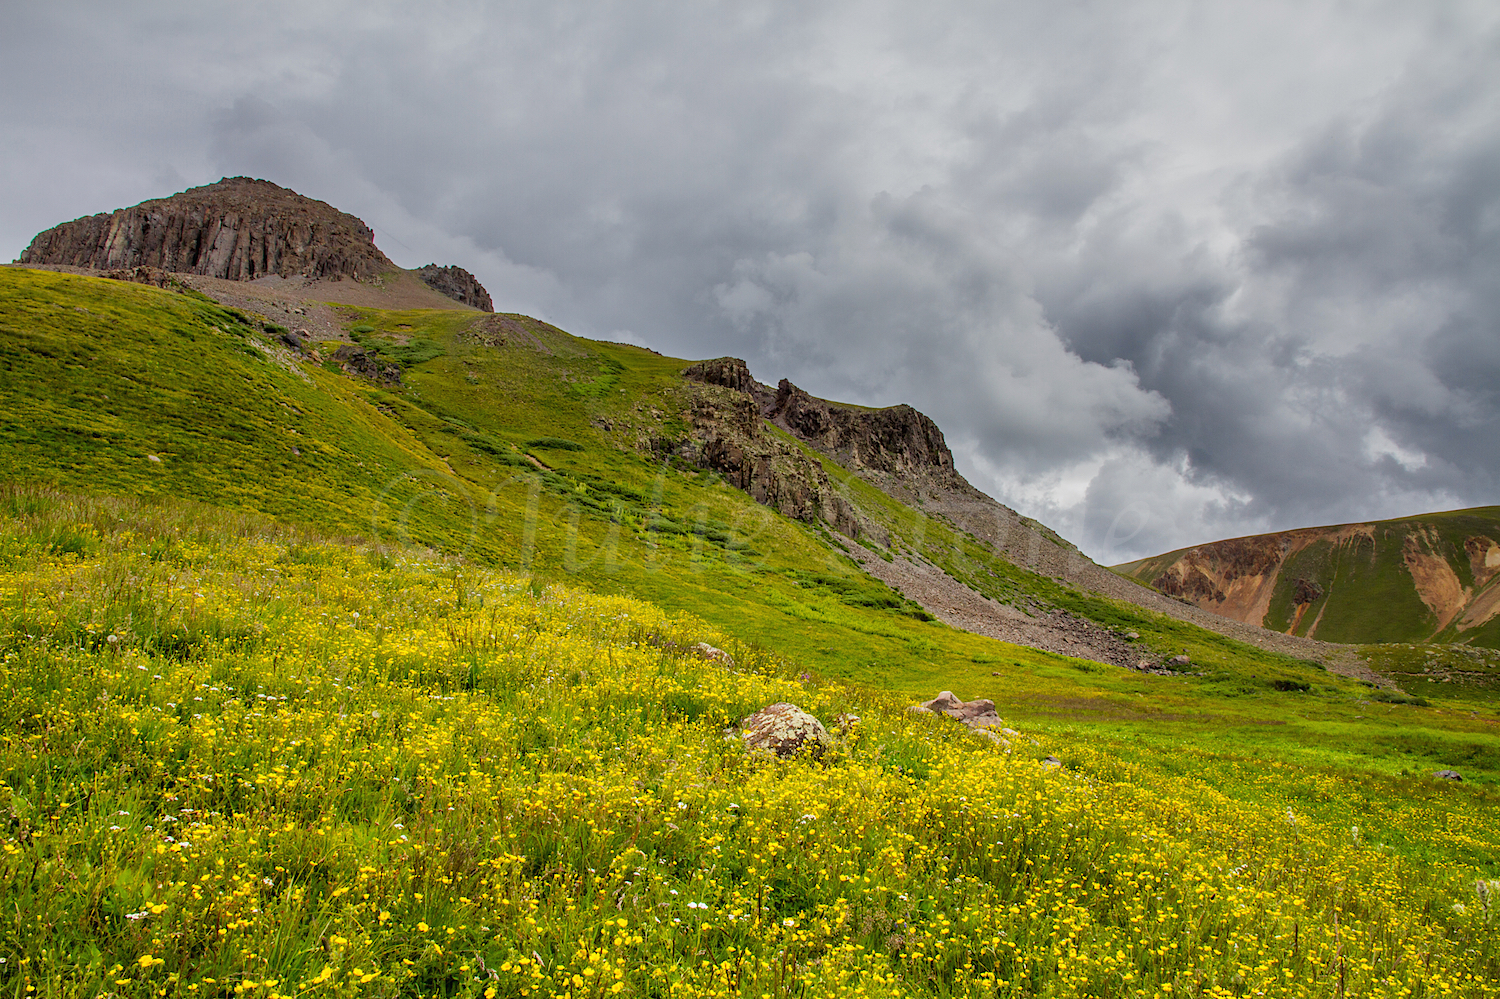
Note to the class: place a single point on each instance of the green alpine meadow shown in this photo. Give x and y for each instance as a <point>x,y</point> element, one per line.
<point>360,641</point>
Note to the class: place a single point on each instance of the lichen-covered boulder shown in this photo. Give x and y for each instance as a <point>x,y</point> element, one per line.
<point>784,729</point>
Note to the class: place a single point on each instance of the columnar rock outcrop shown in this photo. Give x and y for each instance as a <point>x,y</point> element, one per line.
<point>239,229</point>
<point>458,284</point>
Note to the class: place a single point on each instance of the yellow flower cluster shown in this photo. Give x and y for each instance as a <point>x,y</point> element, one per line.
<point>246,763</point>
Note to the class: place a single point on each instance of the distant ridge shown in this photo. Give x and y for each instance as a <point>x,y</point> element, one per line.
<point>1433,577</point>
<point>238,229</point>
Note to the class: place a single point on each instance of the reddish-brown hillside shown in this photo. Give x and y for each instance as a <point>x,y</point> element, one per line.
<point>1426,578</point>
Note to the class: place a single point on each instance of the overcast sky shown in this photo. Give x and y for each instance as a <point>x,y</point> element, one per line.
<point>1163,272</point>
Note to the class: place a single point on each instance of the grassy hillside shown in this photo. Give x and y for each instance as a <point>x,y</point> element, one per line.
<point>527,573</point>
<point>101,378</point>
<point>239,758</point>
<point>497,450</point>
<point>519,446</point>
<point>1413,579</point>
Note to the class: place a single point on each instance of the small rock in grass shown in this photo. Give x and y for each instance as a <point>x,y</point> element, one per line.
<point>153,459</point>
<point>715,655</point>
<point>1447,774</point>
<point>975,714</point>
<point>1052,761</point>
<point>991,735</point>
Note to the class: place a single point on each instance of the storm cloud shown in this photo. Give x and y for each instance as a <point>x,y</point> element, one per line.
<point>1163,272</point>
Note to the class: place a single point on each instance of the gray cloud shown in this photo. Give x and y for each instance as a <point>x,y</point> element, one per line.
<point>1162,271</point>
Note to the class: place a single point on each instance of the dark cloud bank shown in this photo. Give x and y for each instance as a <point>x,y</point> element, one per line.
<point>1163,272</point>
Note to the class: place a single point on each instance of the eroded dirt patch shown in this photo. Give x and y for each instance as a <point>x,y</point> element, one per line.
<point>1437,584</point>
<point>953,603</point>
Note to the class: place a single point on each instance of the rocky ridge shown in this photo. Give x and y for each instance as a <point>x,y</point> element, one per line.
<point>898,449</point>
<point>458,284</point>
<point>1433,576</point>
<point>239,229</point>
<point>731,437</point>
<point>902,452</point>
<point>893,447</point>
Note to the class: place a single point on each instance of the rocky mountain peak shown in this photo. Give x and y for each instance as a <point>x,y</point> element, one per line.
<point>239,229</point>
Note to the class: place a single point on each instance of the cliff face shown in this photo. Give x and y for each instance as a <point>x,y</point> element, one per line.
<point>458,284</point>
<point>238,229</point>
<point>896,446</point>
<point>898,441</point>
<point>730,436</point>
